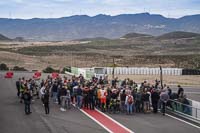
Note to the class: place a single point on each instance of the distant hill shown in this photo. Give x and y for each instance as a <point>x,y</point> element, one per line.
<point>178,35</point>
<point>92,39</point>
<point>4,38</point>
<point>133,35</point>
<point>83,26</point>
<point>19,39</point>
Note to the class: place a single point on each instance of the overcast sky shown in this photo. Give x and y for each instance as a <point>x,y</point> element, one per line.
<point>60,8</point>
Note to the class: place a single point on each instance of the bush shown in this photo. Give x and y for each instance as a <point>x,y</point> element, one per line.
<point>17,68</point>
<point>68,69</point>
<point>50,70</point>
<point>3,67</point>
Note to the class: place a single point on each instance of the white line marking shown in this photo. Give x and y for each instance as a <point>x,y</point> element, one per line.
<point>96,121</point>
<point>183,121</point>
<point>192,92</point>
<point>115,121</point>
<point>106,117</point>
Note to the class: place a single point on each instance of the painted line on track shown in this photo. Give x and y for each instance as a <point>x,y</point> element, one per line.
<point>183,121</point>
<point>193,92</point>
<point>108,123</point>
<point>96,121</point>
<point>114,121</point>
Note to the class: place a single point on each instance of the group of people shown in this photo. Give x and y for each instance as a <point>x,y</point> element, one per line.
<point>111,96</point>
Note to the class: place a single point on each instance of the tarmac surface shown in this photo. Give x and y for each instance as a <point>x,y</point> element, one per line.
<point>192,92</point>
<point>14,120</point>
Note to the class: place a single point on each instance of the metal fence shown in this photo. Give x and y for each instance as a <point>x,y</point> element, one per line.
<point>184,109</point>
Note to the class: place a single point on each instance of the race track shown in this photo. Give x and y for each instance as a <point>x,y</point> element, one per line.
<point>14,120</point>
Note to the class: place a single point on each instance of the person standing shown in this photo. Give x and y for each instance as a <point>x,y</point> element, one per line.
<point>91,98</point>
<point>146,103</point>
<point>42,92</point>
<point>129,103</point>
<point>22,89</point>
<point>155,98</point>
<point>164,97</point>
<point>86,97</point>
<point>103,98</point>
<point>180,91</point>
<point>18,85</point>
<point>46,101</point>
<point>79,97</point>
<point>55,92</point>
<point>62,94</point>
<point>138,101</point>
<point>27,101</point>
<point>122,100</point>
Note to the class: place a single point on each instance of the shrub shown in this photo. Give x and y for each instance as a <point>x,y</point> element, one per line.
<point>50,70</point>
<point>3,67</point>
<point>68,69</point>
<point>17,68</point>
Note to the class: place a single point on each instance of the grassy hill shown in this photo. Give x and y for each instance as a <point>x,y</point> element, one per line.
<point>176,49</point>
<point>134,35</point>
<point>178,35</point>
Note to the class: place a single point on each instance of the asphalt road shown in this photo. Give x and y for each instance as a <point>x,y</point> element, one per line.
<point>153,123</point>
<point>14,120</point>
<point>192,92</point>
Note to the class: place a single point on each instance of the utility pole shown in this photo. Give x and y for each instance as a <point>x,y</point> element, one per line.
<point>161,77</point>
<point>113,72</point>
<point>71,59</point>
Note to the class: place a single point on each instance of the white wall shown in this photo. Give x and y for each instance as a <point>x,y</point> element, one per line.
<point>143,71</point>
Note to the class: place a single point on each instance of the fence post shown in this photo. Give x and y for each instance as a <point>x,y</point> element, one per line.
<point>161,77</point>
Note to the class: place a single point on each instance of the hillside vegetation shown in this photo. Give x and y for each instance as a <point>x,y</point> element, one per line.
<point>178,35</point>
<point>170,50</point>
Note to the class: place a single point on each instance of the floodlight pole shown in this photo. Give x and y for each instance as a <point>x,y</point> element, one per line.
<point>161,77</point>
<point>71,59</point>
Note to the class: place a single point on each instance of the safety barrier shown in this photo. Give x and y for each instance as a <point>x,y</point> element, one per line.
<point>133,71</point>
<point>142,71</point>
<point>187,111</point>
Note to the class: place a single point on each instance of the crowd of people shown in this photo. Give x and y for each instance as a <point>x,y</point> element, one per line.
<point>113,96</point>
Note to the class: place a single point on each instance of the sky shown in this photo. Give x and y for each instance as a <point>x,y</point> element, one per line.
<point>27,9</point>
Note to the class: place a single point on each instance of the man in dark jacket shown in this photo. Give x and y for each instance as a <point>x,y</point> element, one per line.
<point>55,92</point>
<point>180,91</point>
<point>122,99</point>
<point>62,94</point>
<point>18,85</point>
<point>91,98</point>
<point>155,98</point>
<point>79,97</point>
<point>46,101</point>
<point>27,101</point>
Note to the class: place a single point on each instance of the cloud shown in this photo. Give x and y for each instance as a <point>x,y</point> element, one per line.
<point>18,1</point>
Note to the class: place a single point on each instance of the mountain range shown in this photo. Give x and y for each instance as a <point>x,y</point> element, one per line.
<point>105,26</point>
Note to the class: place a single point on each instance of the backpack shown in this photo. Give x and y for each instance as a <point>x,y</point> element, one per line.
<point>130,100</point>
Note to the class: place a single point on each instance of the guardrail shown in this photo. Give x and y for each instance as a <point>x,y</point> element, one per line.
<point>185,110</point>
